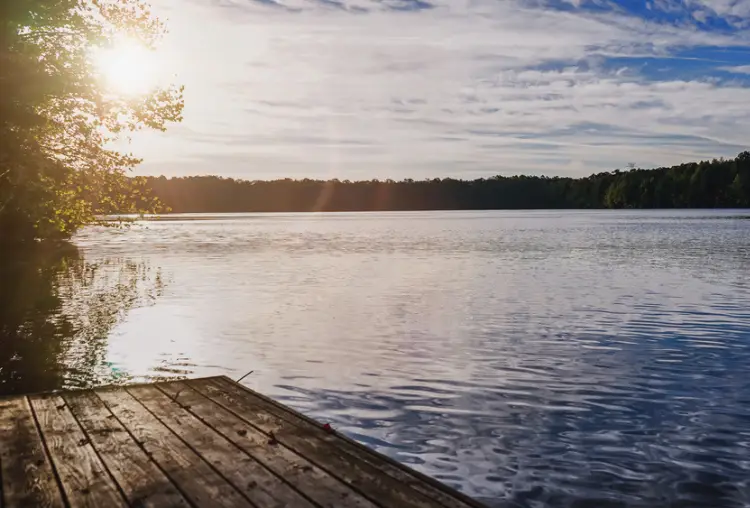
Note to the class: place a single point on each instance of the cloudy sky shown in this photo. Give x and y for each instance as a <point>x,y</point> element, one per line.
<point>466,88</point>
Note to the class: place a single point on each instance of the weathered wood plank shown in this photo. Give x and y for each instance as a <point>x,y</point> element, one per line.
<point>316,484</point>
<point>84,478</point>
<point>140,479</point>
<point>423,484</point>
<point>247,475</point>
<point>218,444</point>
<point>27,475</point>
<point>196,479</point>
<point>368,480</point>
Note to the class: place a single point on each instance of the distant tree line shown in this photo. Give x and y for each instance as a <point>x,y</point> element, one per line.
<point>709,184</point>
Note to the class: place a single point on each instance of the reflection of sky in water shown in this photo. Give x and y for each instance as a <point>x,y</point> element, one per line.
<point>526,356</point>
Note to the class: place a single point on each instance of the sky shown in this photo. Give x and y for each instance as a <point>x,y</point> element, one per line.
<point>361,89</point>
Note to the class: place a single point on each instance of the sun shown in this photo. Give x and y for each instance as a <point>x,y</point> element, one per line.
<point>127,68</point>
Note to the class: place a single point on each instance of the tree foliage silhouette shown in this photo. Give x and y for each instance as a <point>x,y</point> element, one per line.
<point>56,117</point>
<point>708,184</point>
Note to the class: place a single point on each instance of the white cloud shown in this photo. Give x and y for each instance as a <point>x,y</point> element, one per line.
<point>737,10</point>
<point>739,69</point>
<point>734,12</point>
<point>463,88</point>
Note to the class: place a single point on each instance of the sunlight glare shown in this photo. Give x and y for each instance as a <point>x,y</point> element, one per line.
<point>127,67</point>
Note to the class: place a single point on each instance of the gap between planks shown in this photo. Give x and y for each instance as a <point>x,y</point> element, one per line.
<point>247,475</point>
<point>217,433</point>
<point>313,482</point>
<point>316,445</point>
<point>431,487</point>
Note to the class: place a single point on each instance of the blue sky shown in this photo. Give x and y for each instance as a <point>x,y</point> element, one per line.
<point>465,88</point>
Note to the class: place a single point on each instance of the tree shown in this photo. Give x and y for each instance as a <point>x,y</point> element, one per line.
<point>57,117</point>
<point>719,183</point>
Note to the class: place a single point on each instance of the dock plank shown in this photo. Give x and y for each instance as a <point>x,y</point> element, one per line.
<point>419,482</point>
<point>83,476</point>
<point>196,443</point>
<point>304,439</point>
<point>316,484</point>
<point>142,482</point>
<point>197,480</point>
<point>25,469</point>
<point>247,475</point>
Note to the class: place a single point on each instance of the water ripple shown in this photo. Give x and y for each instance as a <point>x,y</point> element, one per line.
<point>530,359</point>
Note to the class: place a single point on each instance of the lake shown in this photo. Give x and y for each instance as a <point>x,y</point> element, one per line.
<point>528,358</point>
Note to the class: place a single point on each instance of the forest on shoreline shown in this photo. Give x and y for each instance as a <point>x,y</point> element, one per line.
<point>59,117</point>
<point>720,183</point>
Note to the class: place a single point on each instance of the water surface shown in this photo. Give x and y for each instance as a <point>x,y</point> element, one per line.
<point>528,358</point>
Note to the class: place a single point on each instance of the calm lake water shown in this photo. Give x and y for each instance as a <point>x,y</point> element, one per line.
<point>528,358</point>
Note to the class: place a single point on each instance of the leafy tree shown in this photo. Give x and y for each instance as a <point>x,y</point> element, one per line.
<point>718,183</point>
<point>57,117</point>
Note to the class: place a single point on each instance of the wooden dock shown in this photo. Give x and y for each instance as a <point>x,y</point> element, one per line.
<point>203,442</point>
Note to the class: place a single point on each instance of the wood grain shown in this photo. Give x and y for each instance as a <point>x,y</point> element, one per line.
<point>324,489</point>
<point>27,475</point>
<point>200,443</point>
<point>84,478</point>
<point>196,479</point>
<point>306,441</point>
<point>142,482</point>
<point>429,487</point>
<point>247,475</point>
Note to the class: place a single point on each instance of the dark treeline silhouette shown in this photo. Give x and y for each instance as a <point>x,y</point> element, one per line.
<point>708,184</point>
